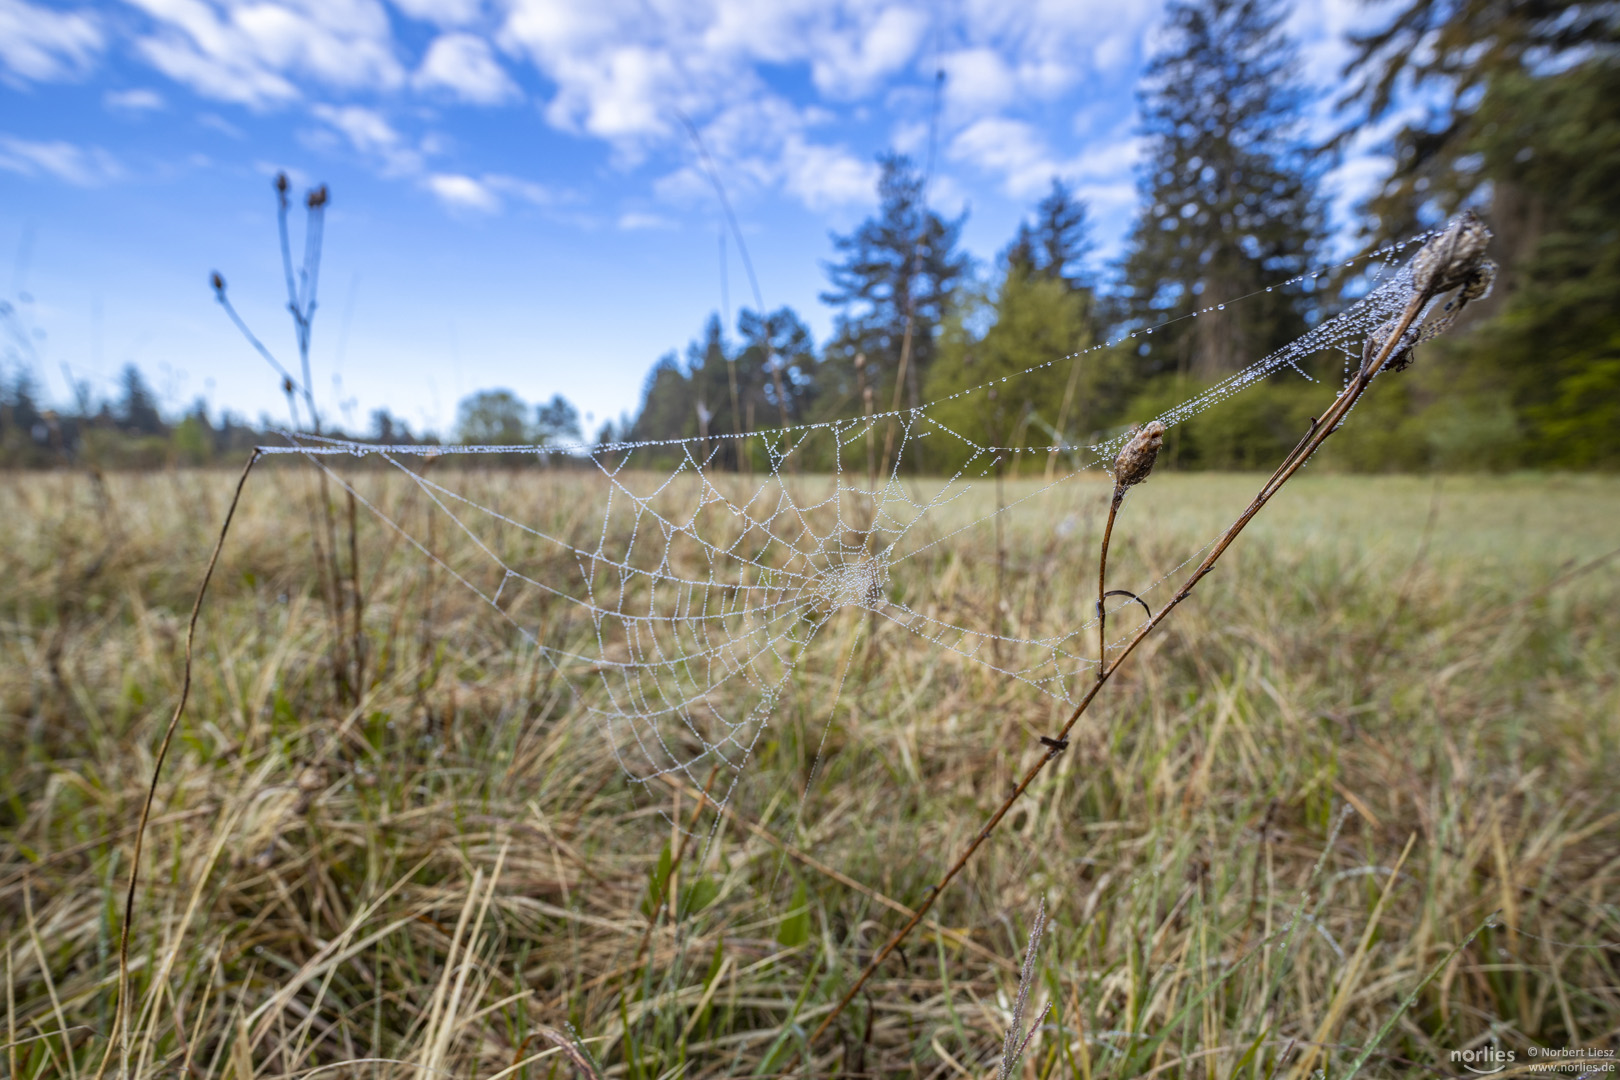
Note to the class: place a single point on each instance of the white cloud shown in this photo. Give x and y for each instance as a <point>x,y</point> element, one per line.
<point>40,44</point>
<point>634,220</point>
<point>263,53</point>
<point>824,177</point>
<point>220,124</point>
<point>373,136</point>
<point>977,79</point>
<point>849,65</point>
<point>1011,148</point>
<point>137,100</point>
<point>82,166</point>
<point>463,192</point>
<point>526,190</point>
<point>1112,159</point>
<point>464,65</point>
<point>766,144</point>
<point>484,194</point>
<point>625,69</point>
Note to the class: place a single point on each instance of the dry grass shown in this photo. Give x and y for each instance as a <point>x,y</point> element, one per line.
<point>440,875</point>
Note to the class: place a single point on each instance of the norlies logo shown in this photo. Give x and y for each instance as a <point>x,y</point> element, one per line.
<point>1485,1060</point>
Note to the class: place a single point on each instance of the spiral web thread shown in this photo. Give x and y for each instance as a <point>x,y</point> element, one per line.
<point>678,623</point>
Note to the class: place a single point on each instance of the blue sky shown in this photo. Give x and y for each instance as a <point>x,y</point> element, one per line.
<point>514,200</point>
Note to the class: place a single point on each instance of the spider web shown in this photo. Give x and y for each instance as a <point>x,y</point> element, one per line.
<point>679,602</point>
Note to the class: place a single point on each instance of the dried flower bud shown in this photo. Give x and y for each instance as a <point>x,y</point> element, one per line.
<point>1401,357</point>
<point>281,182</point>
<point>1453,258</point>
<point>1478,285</point>
<point>1136,457</point>
<point>317,198</point>
<point>217,281</point>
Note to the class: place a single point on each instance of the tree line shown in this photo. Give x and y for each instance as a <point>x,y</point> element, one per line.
<point>1232,217</point>
<point>1523,124</point>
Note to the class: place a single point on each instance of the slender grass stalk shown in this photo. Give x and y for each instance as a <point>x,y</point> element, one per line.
<point>115,1039</point>
<point>1407,1002</point>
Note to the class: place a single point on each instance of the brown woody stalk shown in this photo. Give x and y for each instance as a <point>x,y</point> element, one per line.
<point>1452,259</point>
<point>1132,466</point>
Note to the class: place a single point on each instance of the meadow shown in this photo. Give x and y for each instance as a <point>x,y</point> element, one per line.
<point>1378,746</point>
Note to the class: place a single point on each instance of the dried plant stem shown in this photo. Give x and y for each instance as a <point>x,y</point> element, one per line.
<point>1102,584</point>
<point>1313,440</point>
<point>115,1038</point>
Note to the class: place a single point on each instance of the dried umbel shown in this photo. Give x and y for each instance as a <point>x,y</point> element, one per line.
<point>1136,457</point>
<point>1454,258</point>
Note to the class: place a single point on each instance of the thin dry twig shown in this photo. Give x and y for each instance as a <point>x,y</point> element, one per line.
<point>120,1011</point>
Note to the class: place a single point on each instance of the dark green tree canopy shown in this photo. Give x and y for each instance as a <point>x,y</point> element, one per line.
<point>492,418</point>
<point>1229,190</point>
<point>1454,51</point>
<point>900,265</point>
<point>138,411</point>
<point>1057,244</point>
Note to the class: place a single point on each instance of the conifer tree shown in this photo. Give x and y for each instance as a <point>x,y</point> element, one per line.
<point>901,264</point>
<point>1466,56</point>
<point>1057,244</point>
<point>1526,128</point>
<point>1229,191</point>
<point>138,410</point>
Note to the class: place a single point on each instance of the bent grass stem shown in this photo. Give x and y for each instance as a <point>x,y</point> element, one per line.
<point>121,1010</point>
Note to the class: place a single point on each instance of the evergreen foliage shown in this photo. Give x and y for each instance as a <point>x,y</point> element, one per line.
<point>898,267</point>
<point>1229,192</point>
<point>1530,132</point>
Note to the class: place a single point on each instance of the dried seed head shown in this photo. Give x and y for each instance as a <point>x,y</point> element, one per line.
<point>1478,285</point>
<point>1136,457</point>
<point>1401,357</point>
<point>1453,258</point>
<point>217,282</point>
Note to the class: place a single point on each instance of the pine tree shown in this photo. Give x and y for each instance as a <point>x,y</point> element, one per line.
<point>1525,127</point>
<point>900,265</point>
<point>1058,243</point>
<point>696,401</point>
<point>138,410</point>
<point>1458,54</point>
<point>1230,200</point>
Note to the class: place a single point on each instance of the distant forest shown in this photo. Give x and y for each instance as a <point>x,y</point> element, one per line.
<point>1522,123</point>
